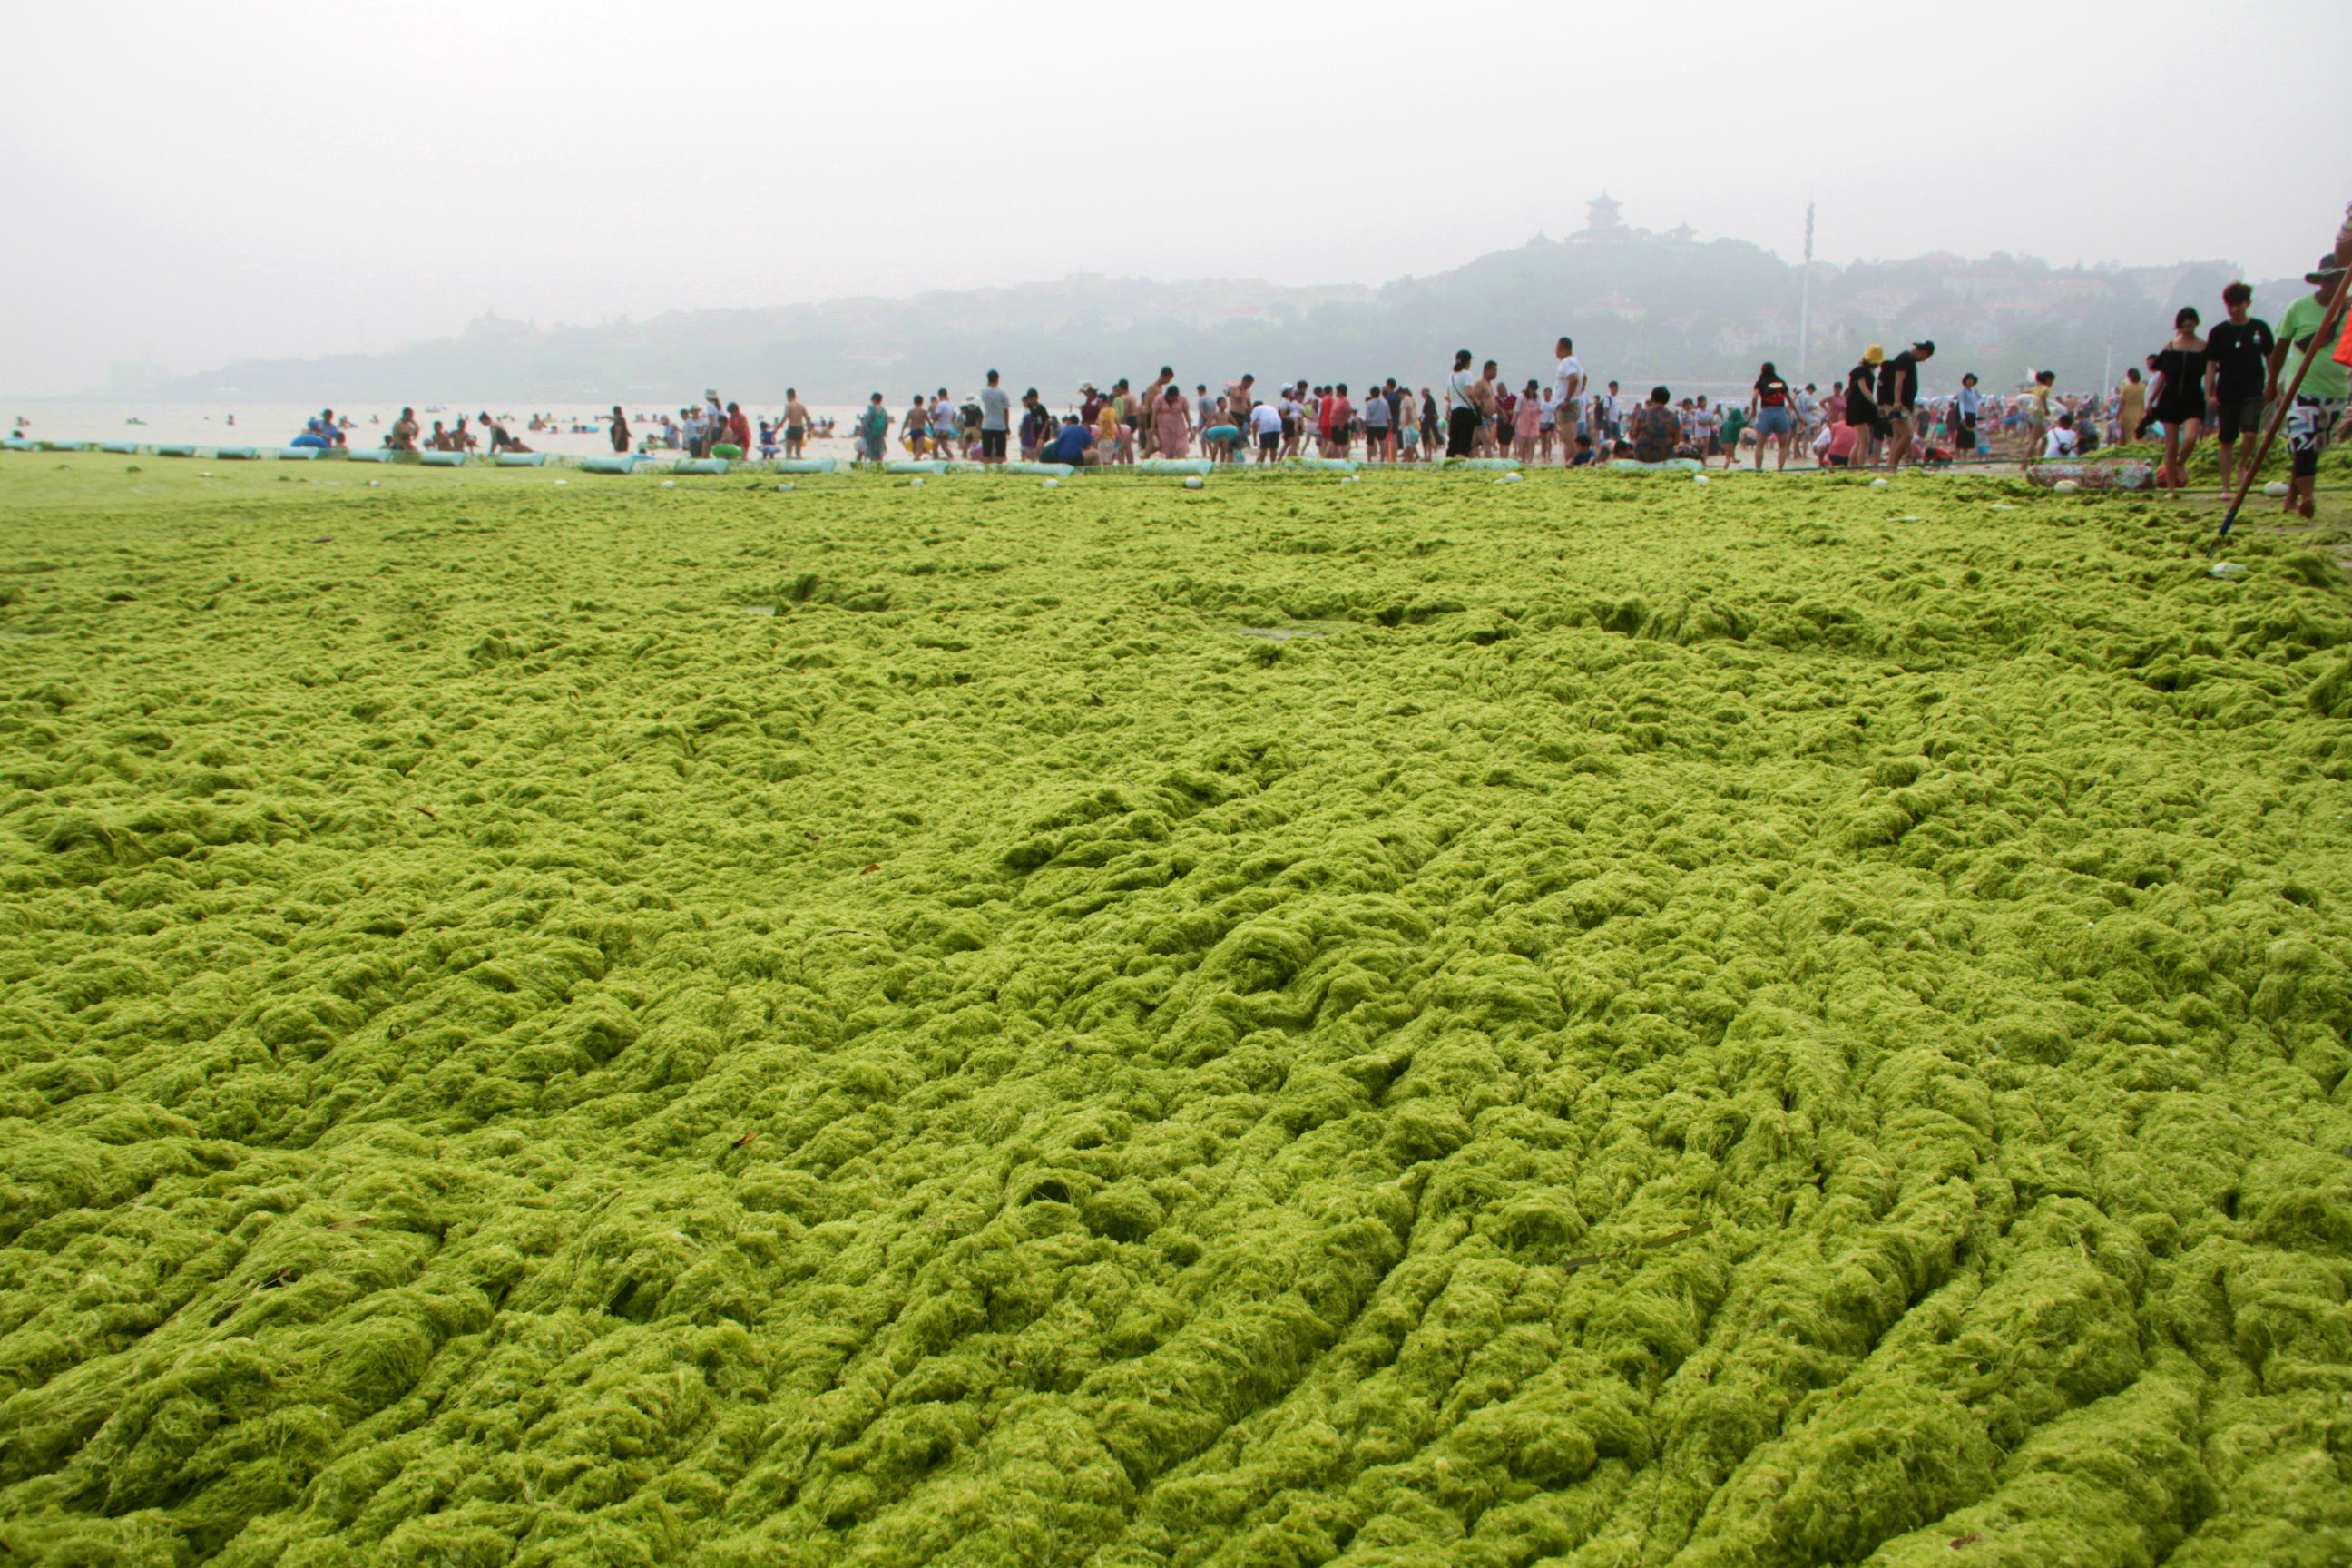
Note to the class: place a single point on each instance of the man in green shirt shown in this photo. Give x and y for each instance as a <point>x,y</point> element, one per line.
<point>2319,401</point>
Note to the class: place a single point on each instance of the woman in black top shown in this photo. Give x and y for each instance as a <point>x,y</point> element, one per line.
<point>1773,414</point>
<point>2178,396</point>
<point>1862,410</point>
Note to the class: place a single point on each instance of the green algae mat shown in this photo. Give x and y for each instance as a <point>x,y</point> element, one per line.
<point>1597,1021</point>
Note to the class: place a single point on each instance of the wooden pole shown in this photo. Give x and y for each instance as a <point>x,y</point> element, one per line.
<point>2322,342</point>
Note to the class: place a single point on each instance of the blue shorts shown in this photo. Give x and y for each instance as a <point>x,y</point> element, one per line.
<point>1774,422</point>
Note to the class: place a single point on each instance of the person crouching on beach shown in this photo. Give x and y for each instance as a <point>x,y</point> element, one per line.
<point>1074,445</point>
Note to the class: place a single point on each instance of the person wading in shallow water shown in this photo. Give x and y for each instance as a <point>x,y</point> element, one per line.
<point>620,431</point>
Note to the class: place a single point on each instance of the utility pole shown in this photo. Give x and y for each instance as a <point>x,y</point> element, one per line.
<point>1805,310</point>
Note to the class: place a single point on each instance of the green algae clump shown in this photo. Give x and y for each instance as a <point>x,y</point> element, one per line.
<point>1766,1025</point>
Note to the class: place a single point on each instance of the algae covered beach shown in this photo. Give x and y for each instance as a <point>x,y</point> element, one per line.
<point>1592,1021</point>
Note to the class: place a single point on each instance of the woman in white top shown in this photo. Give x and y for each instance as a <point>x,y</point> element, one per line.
<point>1461,408</point>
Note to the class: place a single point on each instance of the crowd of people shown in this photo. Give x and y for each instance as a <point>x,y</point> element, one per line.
<point>2224,382</point>
<point>407,435</point>
<point>1876,415</point>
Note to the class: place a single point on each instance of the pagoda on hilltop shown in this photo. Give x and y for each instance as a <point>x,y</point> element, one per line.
<point>1602,221</point>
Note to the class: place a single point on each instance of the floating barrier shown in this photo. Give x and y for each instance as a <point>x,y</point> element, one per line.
<point>1199,466</point>
<point>175,451</point>
<point>375,455</point>
<point>18,444</point>
<point>236,454</point>
<point>65,445</point>
<point>804,465</point>
<point>699,466</point>
<point>2095,475</point>
<point>119,449</point>
<point>298,454</point>
<point>1324,464</point>
<point>442,460</point>
<point>618,463</point>
<point>1484,465</point>
<point>913,465</point>
<point>1048,471</point>
<point>522,459</point>
<point>1670,466</point>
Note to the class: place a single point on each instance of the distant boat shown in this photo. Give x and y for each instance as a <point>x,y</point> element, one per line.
<point>134,422</point>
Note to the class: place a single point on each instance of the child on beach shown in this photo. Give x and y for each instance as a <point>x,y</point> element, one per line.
<point>1526,418</point>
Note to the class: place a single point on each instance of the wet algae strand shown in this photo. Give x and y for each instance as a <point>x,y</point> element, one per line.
<point>1743,1025</point>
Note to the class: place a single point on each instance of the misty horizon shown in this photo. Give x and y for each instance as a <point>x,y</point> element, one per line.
<point>314,182</point>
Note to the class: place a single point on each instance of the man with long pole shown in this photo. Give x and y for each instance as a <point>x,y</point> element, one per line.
<point>2317,401</point>
<point>2331,275</point>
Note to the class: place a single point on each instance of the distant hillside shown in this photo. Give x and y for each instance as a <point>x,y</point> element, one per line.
<point>1641,307</point>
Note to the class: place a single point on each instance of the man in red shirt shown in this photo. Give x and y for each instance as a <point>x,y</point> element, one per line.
<point>1336,412</point>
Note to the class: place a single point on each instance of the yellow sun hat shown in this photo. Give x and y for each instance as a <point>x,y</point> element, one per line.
<point>1874,354</point>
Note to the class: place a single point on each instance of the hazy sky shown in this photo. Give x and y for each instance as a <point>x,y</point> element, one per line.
<point>209,182</point>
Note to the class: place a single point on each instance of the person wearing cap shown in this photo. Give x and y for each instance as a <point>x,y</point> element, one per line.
<point>2319,401</point>
<point>1862,410</point>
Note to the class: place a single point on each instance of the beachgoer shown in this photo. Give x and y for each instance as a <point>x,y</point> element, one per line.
<point>1461,407</point>
<point>1735,424</point>
<point>1862,409</point>
<point>1966,409</point>
<point>1524,418</point>
<point>1073,445</point>
<point>2319,401</point>
<point>874,430</point>
<point>620,431</point>
<point>996,420</point>
<point>1656,430</point>
<point>1171,426</point>
<point>2039,413</point>
<point>1376,417</point>
<point>1770,408</point>
<point>2237,354</point>
<point>404,431</point>
<point>2131,404</point>
<point>2062,441</point>
<point>796,423</point>
<point>1568,383</point>
<point>1266,419</point>
<point>739,427</point>
<point>1898,400</point>
<point>1037,425</point>
<point>2178,396</point>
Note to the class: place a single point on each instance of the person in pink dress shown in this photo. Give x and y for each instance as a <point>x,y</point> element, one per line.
<point>1526,421</point>
<point>1171,425</point>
